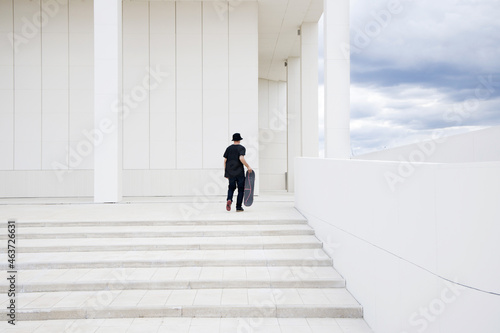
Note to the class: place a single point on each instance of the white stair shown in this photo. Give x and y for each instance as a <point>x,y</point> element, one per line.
<point>175,269</point>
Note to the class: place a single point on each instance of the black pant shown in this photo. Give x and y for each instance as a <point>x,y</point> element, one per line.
<point>233,181</point>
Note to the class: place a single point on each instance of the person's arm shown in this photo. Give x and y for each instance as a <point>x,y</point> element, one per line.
<point>225,161</point>
<point>242,159</point>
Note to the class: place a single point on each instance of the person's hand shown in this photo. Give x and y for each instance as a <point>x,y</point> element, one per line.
<point>250,170</point>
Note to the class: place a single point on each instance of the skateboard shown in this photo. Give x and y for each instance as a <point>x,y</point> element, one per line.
<point>249,189</point>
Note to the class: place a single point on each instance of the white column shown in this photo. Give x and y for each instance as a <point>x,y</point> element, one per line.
<point>294,119</point>
<point>107,110</point>
<point>309,79</point>
<point>337,79</point>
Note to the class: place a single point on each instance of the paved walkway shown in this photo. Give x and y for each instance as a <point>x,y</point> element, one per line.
<point>268,206</point>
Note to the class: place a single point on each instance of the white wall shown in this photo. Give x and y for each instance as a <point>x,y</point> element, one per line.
<point>43,116</point>
<point>190,80</point>
<point>475,146</point>
<point>176,137</point>
<point>273,134</point>
<point>391,242</point>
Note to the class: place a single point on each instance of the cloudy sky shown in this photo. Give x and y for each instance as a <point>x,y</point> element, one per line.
<point>432,64</point>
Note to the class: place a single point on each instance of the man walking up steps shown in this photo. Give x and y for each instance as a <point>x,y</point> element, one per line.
<point>234,159</point>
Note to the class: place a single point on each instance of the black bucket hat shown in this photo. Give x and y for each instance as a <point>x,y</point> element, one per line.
<point>237,137</point>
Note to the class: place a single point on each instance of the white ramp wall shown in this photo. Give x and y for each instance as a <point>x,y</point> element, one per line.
<point>475,146</point>
<point>408,250</point>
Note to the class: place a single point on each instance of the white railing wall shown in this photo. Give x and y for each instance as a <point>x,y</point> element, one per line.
<point>418,244</point>
<point>474,146</point>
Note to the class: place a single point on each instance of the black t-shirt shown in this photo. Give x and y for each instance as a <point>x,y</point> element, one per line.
<point>234,167</point>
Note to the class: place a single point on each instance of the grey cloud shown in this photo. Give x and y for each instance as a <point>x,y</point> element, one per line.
<point>423,66</point>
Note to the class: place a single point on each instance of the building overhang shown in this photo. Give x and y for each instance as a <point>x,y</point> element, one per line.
<point>279,22</point>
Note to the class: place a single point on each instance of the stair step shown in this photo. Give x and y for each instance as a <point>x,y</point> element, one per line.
<point>172,263</point>
<point>162,231</point>
<point>176,278</point>
<point>280,303</point>
<point>169,285</point>
<point>205,325</point>
<point>167,244</point>
<point>157,223</point>
<point>201,258</point>
<point>229,311</point>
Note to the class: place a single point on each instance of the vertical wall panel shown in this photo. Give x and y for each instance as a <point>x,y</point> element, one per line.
<point>189,85</point>
<point>162,93</point>
<point>282,105</point>
<point>28,135</point>
<point>215,85</point>
<point>6,15</point>
<point>55,83</point>
<point>6,42</point>
<point>81,78</point>
<point>6,140</point>
<point>294,132</point>
<point>243,76</point>
<point>272,135</point>
<point>162,127</point>
<point>6,70</point>
<point>55,128</point>
<point>273,105</point>
<point>27,29</point>
<point>136,85</point>
<point>263,103</point>
<point>6,86</point>
<point>55,15</point>
<point>27,71</point>
<point>81,14</point>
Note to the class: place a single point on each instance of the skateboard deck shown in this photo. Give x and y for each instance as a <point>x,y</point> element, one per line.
<point>249,189</point>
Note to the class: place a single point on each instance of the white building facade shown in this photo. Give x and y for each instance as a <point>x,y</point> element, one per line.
<point>140,98</point>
